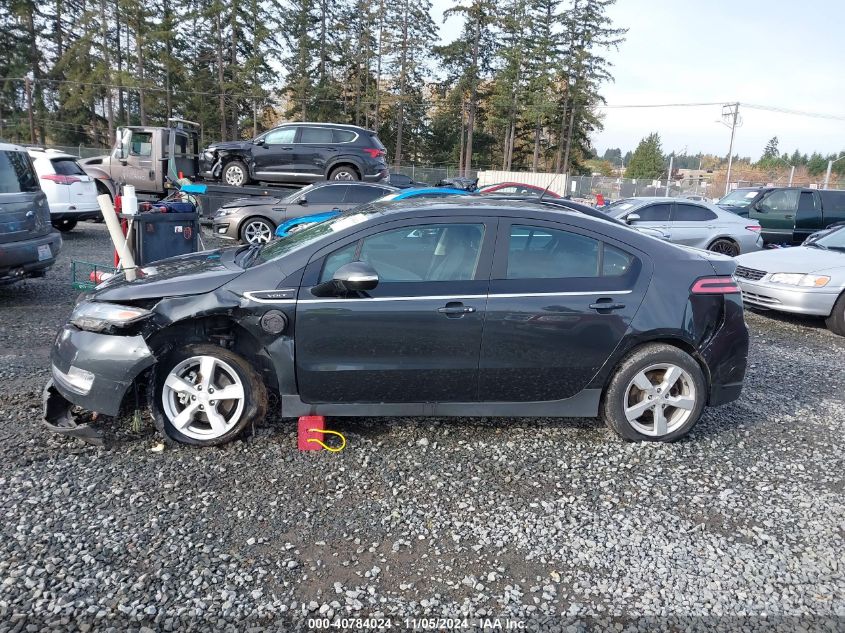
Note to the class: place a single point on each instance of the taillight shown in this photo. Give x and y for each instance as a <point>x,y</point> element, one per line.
<point>714,286</point>
<point>375,153</point>
<point>754,227</point>
<point>59,179</point>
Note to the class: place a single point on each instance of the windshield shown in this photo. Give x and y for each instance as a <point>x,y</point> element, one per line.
<point>835,240</point>
<point>306,237</point>
<point>740,198</point>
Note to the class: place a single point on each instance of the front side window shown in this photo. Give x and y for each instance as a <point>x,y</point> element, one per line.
<point>280,137</point>
<point>431,252</point>
<point>141,144</point>
<point>17,173</point>
<point>330,194</point>
<point>541,253</point>
<point>316,135</point>
<point>784,201</point>
<point>692,213</point>
<point>654,212</point>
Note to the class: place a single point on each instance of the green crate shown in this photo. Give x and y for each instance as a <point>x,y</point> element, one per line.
<point>83,273</point>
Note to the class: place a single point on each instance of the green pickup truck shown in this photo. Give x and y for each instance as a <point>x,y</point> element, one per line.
<point>787,214</point>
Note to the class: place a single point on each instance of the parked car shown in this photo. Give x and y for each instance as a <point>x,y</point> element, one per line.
<point>28,243</point>
<point>254,220</point>
<point>298,153</point>
<point>691,223</point>
<point>788,215</point>
<point>71,193</point>
<point>425,192</point>
<point>517,188</point>
<point>442,307</point>
<point>807,279</point>
<point>401,181</point>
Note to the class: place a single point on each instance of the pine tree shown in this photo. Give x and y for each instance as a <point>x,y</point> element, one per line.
<point>647,160</point>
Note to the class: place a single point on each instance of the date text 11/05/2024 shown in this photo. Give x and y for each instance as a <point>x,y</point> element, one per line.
<point>421,624</point>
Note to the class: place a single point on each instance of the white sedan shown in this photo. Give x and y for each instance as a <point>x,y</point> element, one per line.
<point>71,193</point>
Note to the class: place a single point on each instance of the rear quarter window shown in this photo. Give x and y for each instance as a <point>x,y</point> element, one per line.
<point>17,174</point>
<point>343,136</point>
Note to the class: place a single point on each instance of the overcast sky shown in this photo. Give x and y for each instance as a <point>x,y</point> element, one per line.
<point>770,52</point>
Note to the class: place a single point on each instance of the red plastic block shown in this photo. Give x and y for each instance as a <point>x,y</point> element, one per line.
<point>306,423</point>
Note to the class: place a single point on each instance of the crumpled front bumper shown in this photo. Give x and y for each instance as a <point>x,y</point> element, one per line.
<point>94,370</point>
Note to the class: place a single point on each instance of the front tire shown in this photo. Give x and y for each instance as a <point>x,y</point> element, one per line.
<point>657,394</point>
<point>205,395</point>
<point>65,226</point>
<point>725,247</point>
<point>235,174</point>
<point>257,231</point>
<point>836,321</point>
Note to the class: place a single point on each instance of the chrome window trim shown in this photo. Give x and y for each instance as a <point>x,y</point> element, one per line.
<point>516,295</point>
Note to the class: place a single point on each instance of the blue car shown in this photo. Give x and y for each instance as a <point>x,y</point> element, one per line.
<point>425,192</point>
<point>286,228</point>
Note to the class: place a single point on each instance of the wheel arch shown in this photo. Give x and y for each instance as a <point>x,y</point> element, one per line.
<point>344,161</point>
<point>727,238</point>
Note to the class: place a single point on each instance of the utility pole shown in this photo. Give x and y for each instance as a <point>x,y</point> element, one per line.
<point>791,175</point>
<point>730,112</point>
<point>669,175</point>
<point>28,87</point>
<point>829,168</point>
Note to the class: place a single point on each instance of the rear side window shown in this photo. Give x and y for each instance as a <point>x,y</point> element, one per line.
<point>541,253</point>
<point>343,136</point>
<point>364,193</point>
<point>316,135</point>
<point>67,167</point>
<point>17,174</point>
<point>692,213</point>
<point>833,202</point>
<point>654,212</point>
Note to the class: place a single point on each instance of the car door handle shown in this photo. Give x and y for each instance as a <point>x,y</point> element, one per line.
<point>606,305</point>
<point>788,217</point>
<point>455,309</point>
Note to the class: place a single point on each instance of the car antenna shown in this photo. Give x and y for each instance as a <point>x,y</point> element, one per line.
<point>546,190</point>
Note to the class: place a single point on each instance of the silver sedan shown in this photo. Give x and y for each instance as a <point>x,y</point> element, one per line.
<point>807,279</point>
<point>691,223</point>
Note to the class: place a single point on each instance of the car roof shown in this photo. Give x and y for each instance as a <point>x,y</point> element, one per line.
<point>40,152</point>
<point>11,147</point>
<point>324,124</point>
<point>352,183</point>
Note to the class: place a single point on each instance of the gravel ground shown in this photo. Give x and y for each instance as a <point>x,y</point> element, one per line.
<point>551,523</point>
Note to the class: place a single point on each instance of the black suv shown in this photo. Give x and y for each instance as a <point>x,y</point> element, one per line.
<point>298,153</point>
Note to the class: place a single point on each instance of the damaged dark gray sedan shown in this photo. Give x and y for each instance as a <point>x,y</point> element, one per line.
<point>463,307</point>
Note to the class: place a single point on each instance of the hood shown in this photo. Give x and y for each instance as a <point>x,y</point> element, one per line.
<point>798,259</point>
<point>191,274</point>
<point>252,202</point>
<point>230,145</point>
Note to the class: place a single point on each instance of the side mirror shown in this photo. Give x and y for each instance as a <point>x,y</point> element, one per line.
<point>351,277</point>
<point>632,217</point>
<point>302,201</point>
<point>258,141</point>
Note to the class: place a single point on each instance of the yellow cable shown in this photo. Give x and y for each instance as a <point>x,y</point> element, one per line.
<point>326,446</point>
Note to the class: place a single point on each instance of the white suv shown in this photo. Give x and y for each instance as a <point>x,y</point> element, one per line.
<point>71,193</point>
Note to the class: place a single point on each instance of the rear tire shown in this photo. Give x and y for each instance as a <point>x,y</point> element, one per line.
<point>191,408</point>
<point>725,247</point>
<point>344,172</point>
<point>656,394</point>
<point>235,174</point>
<point>836,321</point>
<point>65,226</point>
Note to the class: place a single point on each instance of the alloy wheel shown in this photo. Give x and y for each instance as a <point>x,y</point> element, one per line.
<point>257,232</point>
<point>659,399</point>
<point>203,397</point>
<point>724,247</point>
<point>344,174</point>
<point>234,176</point>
